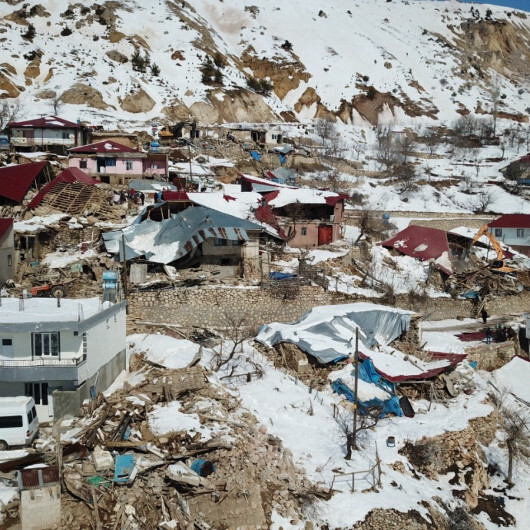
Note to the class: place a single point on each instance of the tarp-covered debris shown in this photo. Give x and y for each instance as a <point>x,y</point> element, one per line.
<point>173,238</point>
<point>326,332</point>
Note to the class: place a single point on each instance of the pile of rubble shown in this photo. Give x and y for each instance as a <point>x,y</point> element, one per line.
<point>219,469</point>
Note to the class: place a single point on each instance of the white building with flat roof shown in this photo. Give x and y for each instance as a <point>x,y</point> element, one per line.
<point>60,355</point>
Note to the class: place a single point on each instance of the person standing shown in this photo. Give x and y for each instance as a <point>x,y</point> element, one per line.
<point>484,315</point>
<point>488,336</point>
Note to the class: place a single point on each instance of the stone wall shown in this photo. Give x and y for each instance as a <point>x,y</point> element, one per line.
<point>210,306</point>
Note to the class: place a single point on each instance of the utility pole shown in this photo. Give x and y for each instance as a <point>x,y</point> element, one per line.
<point>356,402</point>
<point>124,268</point>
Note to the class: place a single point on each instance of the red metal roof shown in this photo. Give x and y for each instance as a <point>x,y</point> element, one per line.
<point>452,360</point>
<point>419,242</point>
<point>5,224</point>
<point>48,122</point>
<point>175,196</point>
<point>108,146</point>
<point>69,175</point>
<point>16,180</point>
<point>512,220</point>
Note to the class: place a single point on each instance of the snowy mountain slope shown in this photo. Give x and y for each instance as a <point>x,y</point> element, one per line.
<point>365,61</point>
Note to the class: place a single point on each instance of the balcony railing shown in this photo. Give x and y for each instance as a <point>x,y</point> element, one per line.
<point>42,361</point>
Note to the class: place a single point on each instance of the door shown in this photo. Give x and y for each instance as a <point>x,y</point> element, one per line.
<point>325,234</point>
<point>7,349</point>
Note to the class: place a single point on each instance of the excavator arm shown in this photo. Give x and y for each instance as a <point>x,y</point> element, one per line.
<point>498,264</point>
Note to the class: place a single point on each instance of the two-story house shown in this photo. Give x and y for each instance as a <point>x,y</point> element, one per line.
<point>115,163</point>
<point>50,133</point>
<point>513,230</point>
<point>60,352</point>
<point>310,218</point>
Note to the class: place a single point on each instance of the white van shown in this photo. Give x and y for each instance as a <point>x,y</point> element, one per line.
<point>19,424</point>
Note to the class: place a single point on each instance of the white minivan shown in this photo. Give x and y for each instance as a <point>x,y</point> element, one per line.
<point>19,424</point>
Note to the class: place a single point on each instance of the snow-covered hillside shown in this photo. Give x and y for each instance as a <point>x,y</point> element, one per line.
<point>365,60</point>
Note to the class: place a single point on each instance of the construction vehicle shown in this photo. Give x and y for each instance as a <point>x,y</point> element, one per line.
<point>497,265</point>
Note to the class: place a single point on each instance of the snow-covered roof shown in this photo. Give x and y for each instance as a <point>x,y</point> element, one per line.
<point>48,122</point>
<point>107,146</point>
<point>284,196</point>
<point>41,313</point>
<point>514,377</point>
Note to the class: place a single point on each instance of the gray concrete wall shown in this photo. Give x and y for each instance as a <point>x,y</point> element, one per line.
<point>68,403</point>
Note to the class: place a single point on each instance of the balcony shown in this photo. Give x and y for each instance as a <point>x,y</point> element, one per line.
<point>43,369</point>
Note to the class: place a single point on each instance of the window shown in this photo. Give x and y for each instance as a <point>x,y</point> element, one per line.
<point>7,342</point>
<point>9,260</point>
<point>10,422</point>
<point>66,136</point>
<point>85,347</point>
<point>110,162</point>
<point>218,242</point>
<point>129,165</point>
<point>82,164</point>
<point>39,392</point>
<point>236,242</point>
<point>520,232</point>
<point>45,344</point>
<point>498,232</point>
<point>303,231</point>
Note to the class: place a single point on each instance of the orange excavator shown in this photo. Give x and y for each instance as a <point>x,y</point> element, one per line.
<point>496,265</point>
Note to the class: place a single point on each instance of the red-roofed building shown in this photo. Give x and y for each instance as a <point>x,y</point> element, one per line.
<point>8,259</point>
<point>15,181</point>
<point>513,230</point>
<point>50,133</point>
<point>115,163</point>
<point>309,217</point>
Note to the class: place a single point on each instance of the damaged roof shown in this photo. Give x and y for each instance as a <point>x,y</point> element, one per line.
<point>424,244</point>
<point>171,239</point>
<point>67,176</point>
<point>15,181</point>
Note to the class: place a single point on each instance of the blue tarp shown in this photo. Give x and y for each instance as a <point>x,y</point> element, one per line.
<point>368,373</point>
<point>390,406</point>
<point>281,275</point>
<point>255,155</point>
<point>283,158</point>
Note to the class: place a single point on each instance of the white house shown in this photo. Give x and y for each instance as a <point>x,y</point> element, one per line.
<point>513,230</point>
<point>60,355</point>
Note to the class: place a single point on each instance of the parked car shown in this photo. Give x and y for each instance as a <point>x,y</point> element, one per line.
<point>19,424</point>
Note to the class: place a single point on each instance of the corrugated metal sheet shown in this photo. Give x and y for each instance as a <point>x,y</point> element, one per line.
<point>37,477</point>
<point>16,180</point>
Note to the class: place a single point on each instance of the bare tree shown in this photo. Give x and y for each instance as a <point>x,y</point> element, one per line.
<point>366,223</point>
<point>432,140</point>
<point>407,177</point>
<point>56,103</point>
<point>483,199</point>
<point>9,111</point>
<point>405,147</point>
<point>517,430</point>
<point>386,151</point>
<point>364,422</point>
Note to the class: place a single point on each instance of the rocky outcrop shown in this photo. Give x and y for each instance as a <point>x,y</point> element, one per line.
<point>116,56</point>
<point>139,101</point>
<point>81,94</point>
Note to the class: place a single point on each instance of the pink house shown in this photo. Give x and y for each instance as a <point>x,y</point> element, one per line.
<point>115,163</point>
<point>308,217</point>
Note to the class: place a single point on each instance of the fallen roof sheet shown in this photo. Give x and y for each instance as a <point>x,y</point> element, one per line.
<point>171,239</point>
<point>69,175</point>
<point>327,332</point>
<point>424,244</point>
<point>15,181</point>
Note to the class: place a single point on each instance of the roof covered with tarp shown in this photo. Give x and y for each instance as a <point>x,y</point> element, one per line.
<point>15,181</point>
<point>327,332</point>
<point>424,244</point>
<point>173,238</point>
